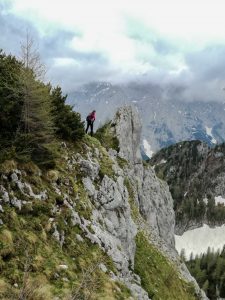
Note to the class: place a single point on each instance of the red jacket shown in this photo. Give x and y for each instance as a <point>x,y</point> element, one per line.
<point>92,116</point>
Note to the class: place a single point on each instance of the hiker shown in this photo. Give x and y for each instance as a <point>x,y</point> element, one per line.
<point>90,121</point>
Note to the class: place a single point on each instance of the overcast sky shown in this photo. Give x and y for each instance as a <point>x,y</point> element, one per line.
<point>180,42</point>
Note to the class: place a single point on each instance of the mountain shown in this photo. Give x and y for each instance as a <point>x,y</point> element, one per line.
<point>195,175</point>
<point>166,118</point>
<point>100,225</point>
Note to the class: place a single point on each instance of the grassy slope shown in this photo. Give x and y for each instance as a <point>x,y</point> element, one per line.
<point>159,277</point>
<point>30,257</point>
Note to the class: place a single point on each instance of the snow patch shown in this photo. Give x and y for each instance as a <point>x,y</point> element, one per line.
<point>198,240</point>
<point>147,148</point>
<point>209,133</point>
<point>219,200</point>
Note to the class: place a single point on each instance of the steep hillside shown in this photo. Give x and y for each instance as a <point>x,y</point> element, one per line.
<point>166,117</point>
<point>195,175</point>
<point>97,226</point>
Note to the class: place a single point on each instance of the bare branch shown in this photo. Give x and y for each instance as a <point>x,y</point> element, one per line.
<point>31,57</point>
<point>88,284</point>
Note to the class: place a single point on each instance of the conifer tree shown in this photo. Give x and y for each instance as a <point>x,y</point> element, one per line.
<point>32,114</point>
<point>183,255</point>
<point>11,101</point>
<point>205,286</point>
<point>35,131</point>
<point>67,123</point>
<point>209,271</point>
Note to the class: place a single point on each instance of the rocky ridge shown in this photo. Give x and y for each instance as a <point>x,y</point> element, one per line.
<point>167,118</point>
<point>195,175</point>
<point>112,199</point>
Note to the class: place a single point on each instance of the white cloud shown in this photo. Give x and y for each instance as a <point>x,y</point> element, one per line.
<point>102,25</point>
<point>146,38</point>
<point>65,61</point>
<point>200,21</point>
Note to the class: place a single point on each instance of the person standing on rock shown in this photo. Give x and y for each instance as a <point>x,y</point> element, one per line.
<point>90,121</point>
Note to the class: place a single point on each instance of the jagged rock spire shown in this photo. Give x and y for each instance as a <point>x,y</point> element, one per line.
<point>128,131</point>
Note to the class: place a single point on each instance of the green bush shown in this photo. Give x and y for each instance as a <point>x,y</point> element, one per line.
<point>107,137</point>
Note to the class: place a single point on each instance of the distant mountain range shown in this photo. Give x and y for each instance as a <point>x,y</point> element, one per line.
<point>166,118</point>
<point>195,174</point>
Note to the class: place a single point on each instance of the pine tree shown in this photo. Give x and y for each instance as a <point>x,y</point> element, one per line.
<point>32,114</point>
<point>183,255</point>
<point>35,131</point>
<point>209,271</point>
<point>222,286</point>
<point>11,101</point>
<point>205,286</point>
<point>67,123</point>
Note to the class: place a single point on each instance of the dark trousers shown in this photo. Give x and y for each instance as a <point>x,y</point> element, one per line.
<point>90,124</point>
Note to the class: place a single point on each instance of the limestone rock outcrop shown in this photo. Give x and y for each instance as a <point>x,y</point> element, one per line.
<point>128,132</point>
<point>152,195</point>
<point>108,192</point>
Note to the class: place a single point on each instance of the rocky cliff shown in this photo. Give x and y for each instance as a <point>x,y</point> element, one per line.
<point>98,226</point>
<point>152,195</point>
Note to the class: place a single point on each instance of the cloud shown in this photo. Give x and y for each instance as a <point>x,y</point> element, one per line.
<point>208,64</point>
<point>140,32</point>
<point>13,29</point>
<point>176,44</point>
<point>205,76</point>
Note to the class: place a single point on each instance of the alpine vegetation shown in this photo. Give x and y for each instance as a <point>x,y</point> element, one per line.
<point>81,217</point>
<point>33,115</point>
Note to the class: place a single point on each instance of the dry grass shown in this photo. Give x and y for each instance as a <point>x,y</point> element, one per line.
<point>8,166</point>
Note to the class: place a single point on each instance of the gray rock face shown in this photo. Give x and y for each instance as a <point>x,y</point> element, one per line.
<point>90,168</point>
<point>112,194</point>
<point>128,132</point>
<point>156,206</point>
<point>111,221</point>
<point>117,215</point>
<point>114,229</point>
<point>153,196</point>
<point>27,190</point>
<point>112,226</point>
<point>16,203</point>
<point>89,186</point>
